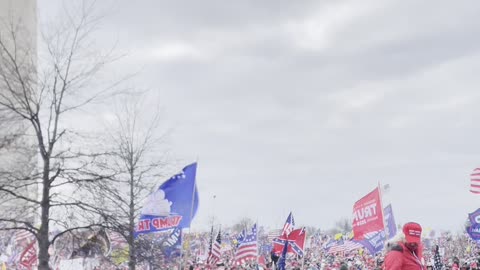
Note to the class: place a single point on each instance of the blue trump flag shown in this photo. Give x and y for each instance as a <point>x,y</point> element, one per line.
<point>174,204</point>
<point>474,231</point>
<point>390,221</point>
<point>374,242</point>
<point>172,245</point>
<point>474,217</point>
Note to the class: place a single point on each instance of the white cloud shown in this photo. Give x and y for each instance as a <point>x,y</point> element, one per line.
<point>178,50</point>
<point>318,30</point>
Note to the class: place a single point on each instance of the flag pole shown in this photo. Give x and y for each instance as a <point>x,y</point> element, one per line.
<point>193,204</point>
<point>383,214</point>
<point>256,240</point>
<point>303,261</point>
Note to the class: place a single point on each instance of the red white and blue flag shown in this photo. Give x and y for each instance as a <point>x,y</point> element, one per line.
<point>289,225</point>
<point>215,253</point>
<point>247,247</point>
<point>342,246</point>
<point>475,181</point>
<point>296,242</point>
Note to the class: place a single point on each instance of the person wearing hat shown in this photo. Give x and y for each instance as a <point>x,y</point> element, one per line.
<point>406,254</point>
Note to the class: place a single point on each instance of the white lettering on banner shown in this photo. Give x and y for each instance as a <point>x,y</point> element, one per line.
<point>365,212</point>
<point>173,239</point>
<point>378,239</point>
<point>477,219</point>
<point>475,229</point>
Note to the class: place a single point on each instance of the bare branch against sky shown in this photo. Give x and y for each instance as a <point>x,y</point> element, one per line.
<point>134,164</point>
<point>42,93</point>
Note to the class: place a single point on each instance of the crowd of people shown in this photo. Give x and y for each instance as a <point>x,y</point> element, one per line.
<point>443,251</point>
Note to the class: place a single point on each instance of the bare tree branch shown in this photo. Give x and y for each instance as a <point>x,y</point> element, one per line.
<point>39,95</point>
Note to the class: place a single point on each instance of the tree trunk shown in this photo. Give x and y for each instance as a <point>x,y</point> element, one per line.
<point>132,262</point>
<point>43,241</point>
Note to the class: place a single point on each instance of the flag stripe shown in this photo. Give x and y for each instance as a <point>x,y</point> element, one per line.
<point>247,248</point>
<point>273,234</point>
<point>216,251</point>
<point>475,181</point>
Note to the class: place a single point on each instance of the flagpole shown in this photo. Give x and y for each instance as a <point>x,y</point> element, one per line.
<point>256,240</point>
<point>193,204</point>
<point>303,261</point>
<point>383,214</point>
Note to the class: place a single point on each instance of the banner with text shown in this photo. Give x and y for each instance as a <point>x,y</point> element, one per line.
<point>174,204</point>
<point>367,215</point>
<point>390,221</point>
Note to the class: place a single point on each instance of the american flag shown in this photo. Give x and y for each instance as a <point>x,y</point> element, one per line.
<point>23,238</point>
<point>289,225</point>
<point>272,234</point>
<point>215,250</point>
<point>437,260</point>
<point>247,248</point>
<point>117,239</point>
<point>28,258</point>
<point>343,246</point>
<point>475,181</point>
<point>241,236</point>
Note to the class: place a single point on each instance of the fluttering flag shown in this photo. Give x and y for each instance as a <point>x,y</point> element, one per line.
<point>334,247</point>
<point>174,204</point>
<point>28,258</point>
<point>289,225</point>
<point>247,247</point>
<point>216,251</point>
<point>172,245</point>
<point>475,181</point>
<point>374,242</point>
<point>474,217</point>
<point>390,221</point>
<point>367,215</point>
<point>295,242</point>
<point>437,260</point>
<point>239,239</point>
<point>473,229</point>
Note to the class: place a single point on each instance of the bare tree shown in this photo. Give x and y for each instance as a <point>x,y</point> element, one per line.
<point>135,160</point>
<point>243,224</point>
<point>344,225</point>
<point>42,92</point>
<point>10,130</point>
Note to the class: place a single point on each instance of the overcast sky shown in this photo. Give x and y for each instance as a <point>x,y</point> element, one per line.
<point>307,105</point>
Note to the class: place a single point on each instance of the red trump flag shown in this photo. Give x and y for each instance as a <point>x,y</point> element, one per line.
<point>367,215</point>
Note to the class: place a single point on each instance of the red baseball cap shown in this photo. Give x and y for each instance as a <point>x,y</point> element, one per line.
<point>413,232</point>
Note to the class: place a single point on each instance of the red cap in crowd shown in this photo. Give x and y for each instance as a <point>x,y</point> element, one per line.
<point>413,232</point>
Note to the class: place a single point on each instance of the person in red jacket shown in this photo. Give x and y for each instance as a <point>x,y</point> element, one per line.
<point>407,253</point>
